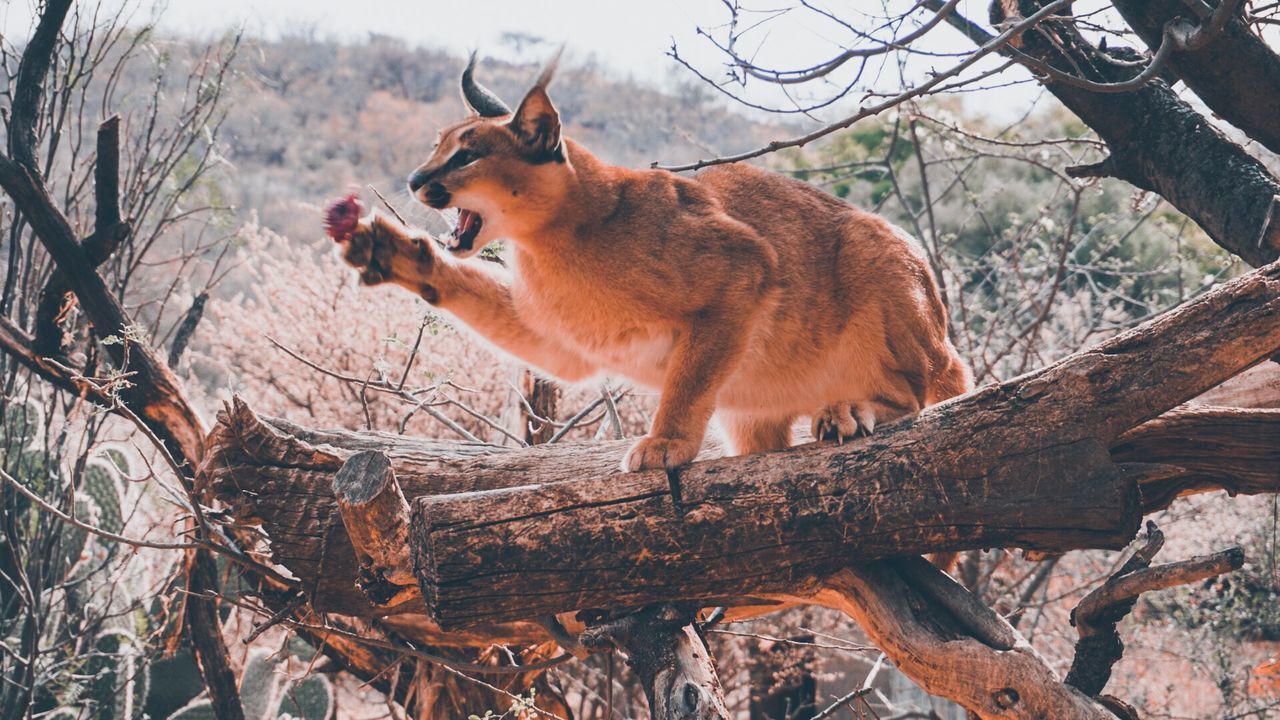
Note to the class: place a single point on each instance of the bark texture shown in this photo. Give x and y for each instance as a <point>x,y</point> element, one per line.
<point>280,476</point>
<point>927,644</point>
<point>669,657</point>
<point>1199,449</point>
<point>376,516</point>
<point>760,524</point>
<point>1235,73</point>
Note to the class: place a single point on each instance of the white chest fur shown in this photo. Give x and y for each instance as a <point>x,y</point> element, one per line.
<point>598,327</point>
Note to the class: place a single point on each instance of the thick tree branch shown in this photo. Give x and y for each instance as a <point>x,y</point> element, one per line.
<point>856,500</point>
<point>1198,449</point>
<point>204,632</point>
<point>737,530</point>
<point>187,328</point>
<point>153,392</point>
<point>932,647</point>
<point>1157,142</point>
<point>28,92</point>
<point>109,234</point>
<point>376,515</point>
<point>1233,71</point>
<point>106,179</point>
<point>21,347</point>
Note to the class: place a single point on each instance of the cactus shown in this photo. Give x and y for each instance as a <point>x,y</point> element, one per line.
<point>309,699</point>
<point>268,693</point>
<point>260,687</point>
<point>98,502</point>
<point>119,677</point>
<point>111,664</point>
<point>114,674</point>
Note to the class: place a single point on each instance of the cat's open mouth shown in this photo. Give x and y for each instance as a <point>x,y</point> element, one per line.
<point>465,232</point>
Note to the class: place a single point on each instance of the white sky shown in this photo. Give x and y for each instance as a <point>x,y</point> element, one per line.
<point>629,37</point>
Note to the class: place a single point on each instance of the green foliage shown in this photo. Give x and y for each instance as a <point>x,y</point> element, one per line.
<point>309,699</point>
<point>178,683</point>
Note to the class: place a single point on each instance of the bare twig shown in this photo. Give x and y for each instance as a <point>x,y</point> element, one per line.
<point>996,44</point>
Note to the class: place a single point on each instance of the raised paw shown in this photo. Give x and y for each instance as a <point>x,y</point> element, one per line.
<point>650,453</point>
<point>834,422</point>
<point>385,251</point>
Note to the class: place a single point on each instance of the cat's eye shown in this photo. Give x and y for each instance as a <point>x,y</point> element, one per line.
<point>462,158</point>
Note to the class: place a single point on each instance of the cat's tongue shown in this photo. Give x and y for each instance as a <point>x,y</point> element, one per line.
<point>464,235</point>
<point>466,222</point>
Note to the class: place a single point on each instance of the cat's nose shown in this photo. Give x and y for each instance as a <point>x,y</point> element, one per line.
<point>417,179</point>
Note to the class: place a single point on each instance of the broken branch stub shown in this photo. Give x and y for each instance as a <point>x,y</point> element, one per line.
<point>376,515</point>
<point>1100,647</point>
<point>669,657</point>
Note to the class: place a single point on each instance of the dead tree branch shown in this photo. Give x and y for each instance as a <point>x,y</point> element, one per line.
<point>376,516</point>
<point>1100,647</point>
<point>994,44</point>
<point>1071,456</point>
<point>1158,142</point>
<point>110,232</point>
<point>151,392</point>
<point>604,539</point>
<point>928,643</point>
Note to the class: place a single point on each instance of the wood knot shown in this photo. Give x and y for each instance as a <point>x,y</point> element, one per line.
<point>1006,698</point>
<point>704,514</point>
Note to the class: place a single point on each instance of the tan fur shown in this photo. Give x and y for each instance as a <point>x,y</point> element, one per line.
<point>738,291</point>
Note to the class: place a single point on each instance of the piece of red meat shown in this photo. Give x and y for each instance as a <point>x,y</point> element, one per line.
<point>341,217</point>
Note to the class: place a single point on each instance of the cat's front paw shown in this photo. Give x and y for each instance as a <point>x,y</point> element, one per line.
<point>382,249</point>
<point>651,453</point>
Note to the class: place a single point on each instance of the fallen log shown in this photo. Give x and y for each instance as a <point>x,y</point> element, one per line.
<point>747,526</point>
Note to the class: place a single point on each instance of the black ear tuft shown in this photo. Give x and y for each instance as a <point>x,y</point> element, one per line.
<point>479,98</point>
<point>549,71</point>
<point>537,122</point>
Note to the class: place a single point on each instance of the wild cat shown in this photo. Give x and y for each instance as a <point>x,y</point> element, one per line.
<point>738,291</point>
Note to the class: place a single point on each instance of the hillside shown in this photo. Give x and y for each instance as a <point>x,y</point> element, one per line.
<point>310,117</point>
